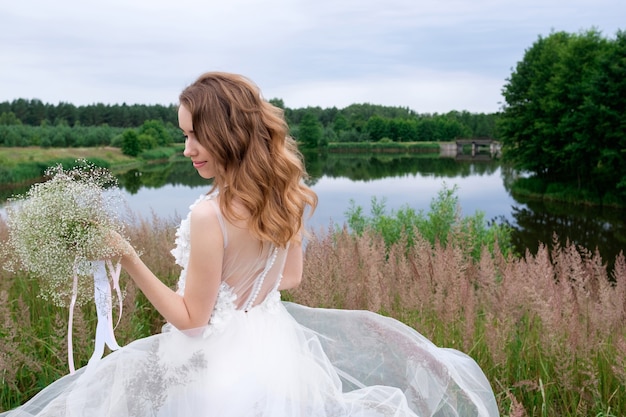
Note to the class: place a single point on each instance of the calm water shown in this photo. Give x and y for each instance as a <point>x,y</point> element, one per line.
<point>476,192</point>
<point>414,181</point>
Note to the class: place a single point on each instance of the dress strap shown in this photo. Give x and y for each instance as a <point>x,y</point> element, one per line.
<point>220,218</point>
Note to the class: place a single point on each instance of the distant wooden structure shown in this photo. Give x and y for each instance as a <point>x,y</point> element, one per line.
<point>481,149</point>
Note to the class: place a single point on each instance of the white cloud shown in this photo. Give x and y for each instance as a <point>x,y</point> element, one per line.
<point>430,55</point>
<point>424,91</point>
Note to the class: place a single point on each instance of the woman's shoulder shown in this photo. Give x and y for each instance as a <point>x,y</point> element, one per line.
<point>206,215</point>
<point>205,210</point>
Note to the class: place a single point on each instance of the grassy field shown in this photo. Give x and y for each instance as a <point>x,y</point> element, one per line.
<point>14,156</point>
<point>549,330</point>
<point>23,166</point>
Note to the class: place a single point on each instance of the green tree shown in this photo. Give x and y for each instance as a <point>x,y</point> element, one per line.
<point>340,123</point>
<point>310,131</point>
<point>377,127</point>
<point>68,112</point>
<point>404,130</point>
<point>526,125</point>
<point>425,129</point>
<point>20,108</point>
<point>448,129</point>
<point>563,118</point>
<point>608,99</point>
<point>10,135</point>
<point>130,143</point>
<point>277,102</point>
<point>573,141</point>
<point>146,142</point>
<point>9,118</point>
<point>156,129</point>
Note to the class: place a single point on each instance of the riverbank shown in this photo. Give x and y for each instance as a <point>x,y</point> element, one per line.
<point>22,166</point>
<point>383,147</point>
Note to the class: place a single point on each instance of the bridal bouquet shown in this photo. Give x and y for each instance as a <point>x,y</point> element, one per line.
<point>59,232</point>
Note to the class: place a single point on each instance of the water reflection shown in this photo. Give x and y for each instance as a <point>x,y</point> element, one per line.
<point>590,227</point>
<point>377,166</point>
<point>402,180</point>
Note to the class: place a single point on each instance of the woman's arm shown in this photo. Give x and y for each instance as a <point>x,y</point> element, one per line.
<point>292,273</point>
<point>203,274</point>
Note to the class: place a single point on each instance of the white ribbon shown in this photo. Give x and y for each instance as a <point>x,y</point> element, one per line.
<point>104,309</point>
<point>70,321</point>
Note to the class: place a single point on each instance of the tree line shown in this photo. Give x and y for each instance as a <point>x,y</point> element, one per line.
<point>564,120</point>
<point>34,112</point>
<point>33,123</point>
<point>315,127</point>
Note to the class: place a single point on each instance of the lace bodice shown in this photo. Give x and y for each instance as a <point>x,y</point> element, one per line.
<point>251,271</point>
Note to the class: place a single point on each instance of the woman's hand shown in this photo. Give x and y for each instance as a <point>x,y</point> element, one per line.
<point>120,247</point>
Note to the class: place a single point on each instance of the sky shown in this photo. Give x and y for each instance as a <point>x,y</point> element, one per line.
<point>432,56</point>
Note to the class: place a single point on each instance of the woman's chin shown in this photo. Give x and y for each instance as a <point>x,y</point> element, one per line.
<point>206,175</point>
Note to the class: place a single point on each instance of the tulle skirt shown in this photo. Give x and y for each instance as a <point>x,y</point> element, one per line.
<point>278,359</point>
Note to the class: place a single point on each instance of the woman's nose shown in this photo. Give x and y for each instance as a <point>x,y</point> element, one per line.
<point>188,152</point>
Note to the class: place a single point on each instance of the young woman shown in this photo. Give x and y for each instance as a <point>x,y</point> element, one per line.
<point>231,348</point>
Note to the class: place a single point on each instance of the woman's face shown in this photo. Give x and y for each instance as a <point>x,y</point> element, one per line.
<point>199,155</point>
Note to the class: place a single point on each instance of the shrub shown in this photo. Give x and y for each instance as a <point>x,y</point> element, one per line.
<point>440,225</point>
<point>158,153</point>
<point>130,143</point>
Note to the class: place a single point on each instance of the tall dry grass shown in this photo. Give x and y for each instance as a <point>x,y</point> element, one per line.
<point>548,329</point>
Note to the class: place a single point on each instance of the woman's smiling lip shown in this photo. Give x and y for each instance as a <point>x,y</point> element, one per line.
<point>198,164</point>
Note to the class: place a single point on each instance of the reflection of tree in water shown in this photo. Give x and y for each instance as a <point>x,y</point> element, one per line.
<point>366,167</point>
<point>534,221</point>
<point>158,175</point>
<point>7,192</point>
<point>130,181</point>
<point>313,166</point>
<point>586,226</point>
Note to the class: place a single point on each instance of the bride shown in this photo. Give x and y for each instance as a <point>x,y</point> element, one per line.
<point>230,346</point>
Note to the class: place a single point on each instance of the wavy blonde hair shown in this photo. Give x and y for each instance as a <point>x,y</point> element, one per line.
<point>256,161</point>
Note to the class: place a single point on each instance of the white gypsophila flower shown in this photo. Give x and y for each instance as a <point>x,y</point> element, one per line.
<point>59,226</point>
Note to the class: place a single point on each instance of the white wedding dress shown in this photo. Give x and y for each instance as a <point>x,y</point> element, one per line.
<point>261,357</point>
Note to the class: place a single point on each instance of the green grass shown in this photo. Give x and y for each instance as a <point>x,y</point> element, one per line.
<point>549,330</point>
<point>14,156</point>
<point>25,165</point>
<point>384,147</point>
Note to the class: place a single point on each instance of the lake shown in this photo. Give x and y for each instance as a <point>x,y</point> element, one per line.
<point>404,180</point>
<point>407,180</point>
<point>336,193</point>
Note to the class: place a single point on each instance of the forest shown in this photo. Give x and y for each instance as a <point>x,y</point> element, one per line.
<point>30,122</point>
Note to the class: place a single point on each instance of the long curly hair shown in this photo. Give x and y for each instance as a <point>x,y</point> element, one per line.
<point>256,161</point>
